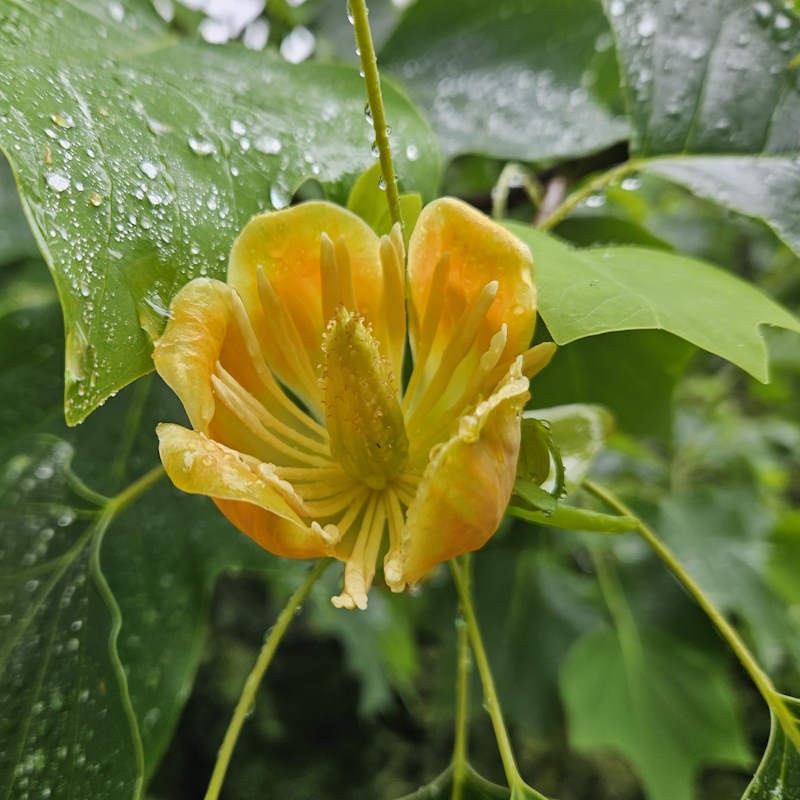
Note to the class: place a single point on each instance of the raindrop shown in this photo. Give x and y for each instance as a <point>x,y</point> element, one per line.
<point>116,11</point>
<point>382,184</point>
<point>149,169</point>
<point>350,18</point>
<point>298,45</point>
<point>631,184</point>
<point>95,199</point>
<point>63,120</point>
<point>782,23</point>
<point>268,144</point>
<point>412,152</point>
<point>256,35</point>
<point>238,128</point>
<point>763,11</point>
<point>375,150</point>
<point>646,26</point>
<point>368,113</point>
<point>278,196</point>
<point>164,9</point>
<point>57,181</point>
<point>617,8</point>
<point>596,200</point>
<point>201,147</point>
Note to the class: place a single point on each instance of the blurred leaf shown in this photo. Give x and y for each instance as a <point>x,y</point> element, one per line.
<point>140,157</point>
<point>475,787</point>
<point>580,432</point>
<point>721,536</point>
<point>379,643</point>
<point>586,230</point>
<point>66,721</point>
<point>778,774</point>
<point>529,627</point>
<point>632,374</point>
<point>667,707</point>
<point>713,79</point>
<point>587,292</point>
<point>766,187</point>
<point>15,237</point>
<point>525,80</point>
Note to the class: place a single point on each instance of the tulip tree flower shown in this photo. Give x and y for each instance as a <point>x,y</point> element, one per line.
<point>291,376</point>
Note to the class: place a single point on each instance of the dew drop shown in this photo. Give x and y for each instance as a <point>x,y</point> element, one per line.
<point>57,182</point>
<point>278,196</point>
<point>298,45</point>
<point>268,144</point>
<point>368,113</point>
<point>63,120</point>
<point>148,168</point>
<point>256,35</point>
<point>201,147</point>
<point>412,152</point>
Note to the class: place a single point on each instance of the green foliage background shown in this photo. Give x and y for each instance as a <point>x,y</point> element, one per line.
<point>130,614</point>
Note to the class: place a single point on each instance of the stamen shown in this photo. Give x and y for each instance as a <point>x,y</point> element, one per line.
<point>237,405</point>
<point>392,562</point>
<point>537,358</point>
<point>347,294</point>
<point>261,367</point>
<point>393,300</point>
<point>428,325</point>
<point>437,427</point>
<point>466,330</point>
<point>359,571</point>
<point>334,504</point>
<point>283,329</point>
<point>329,277</point>
<point>268,420</point>
<point>346,522</point>
<point>311,473</point>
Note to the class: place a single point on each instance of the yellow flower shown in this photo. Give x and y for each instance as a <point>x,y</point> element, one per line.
<point>290,374</point>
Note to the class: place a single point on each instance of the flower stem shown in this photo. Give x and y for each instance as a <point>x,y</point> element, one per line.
<point>255,677</point>
<point>369,64</point>
<point>575,198</point>
<point>464,667</point>
<point>761,680</point>
<point>514,779</point>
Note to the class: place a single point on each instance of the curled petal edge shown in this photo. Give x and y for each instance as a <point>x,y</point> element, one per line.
<point>246,490</point>
<point>467,484</point>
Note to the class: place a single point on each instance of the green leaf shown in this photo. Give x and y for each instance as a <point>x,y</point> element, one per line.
<point>598,290</point>
<point>633,374</point>
<point>139,158</point>
<point>524,80</point>
<point>778,774</point>
<point>580,432</point>
<point>368,200</point>
<point>66,722</point>
<point>667,707</point>
<point>712,80</point>
<point>764,187</point>
<point>721,536</point>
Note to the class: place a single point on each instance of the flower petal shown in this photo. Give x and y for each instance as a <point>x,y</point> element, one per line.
<point>467,484</point>
<point>210,358</point>
<point>286,246</point>
<point>247,491</point>
<point>458,258</point>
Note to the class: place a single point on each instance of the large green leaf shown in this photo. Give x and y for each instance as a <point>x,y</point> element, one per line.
<point>633,374</point>
<point>722,538</point>
<point>139,157</point>
<point>522,79</point>
<point>66,722</point>
<point>778,775</point>
<point>667,707</point>
<point>598,290</point>
<point>713,79</point>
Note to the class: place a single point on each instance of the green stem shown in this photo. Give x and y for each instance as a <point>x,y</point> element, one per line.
<point>369,64</point>
<point>514,779</point>
<point>115,504</point>
<point>247,698</point>
<point>761,680</point>
<point>589,188</point>
<point>513,174</point>
<point>464,667</point>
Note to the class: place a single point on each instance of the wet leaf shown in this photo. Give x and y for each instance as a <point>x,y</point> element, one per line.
<point>778,774</point>
<point>518,79</point>
<point>140,157</point>
<point>711,83</point>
